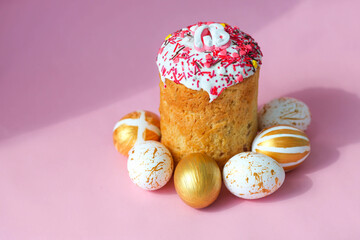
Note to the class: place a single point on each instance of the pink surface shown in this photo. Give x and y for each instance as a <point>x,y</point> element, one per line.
<point>70,69</point>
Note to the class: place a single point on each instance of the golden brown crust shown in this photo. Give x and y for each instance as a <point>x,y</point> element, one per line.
<point>190,123</point>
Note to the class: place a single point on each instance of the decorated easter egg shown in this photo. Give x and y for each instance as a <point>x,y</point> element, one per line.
<point>139,125</point>
<point>150,165</point>
<point>287,111</point>
<point>252,175</point>
<point>288,145</point>
<point>197,180</point>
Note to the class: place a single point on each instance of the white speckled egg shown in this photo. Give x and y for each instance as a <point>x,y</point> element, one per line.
<point>252,175</point>
<point>287,111</point>
<point>150,165</point>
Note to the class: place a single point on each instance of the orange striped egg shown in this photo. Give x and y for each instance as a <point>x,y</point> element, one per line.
<point>135,127</point>
<point>288,145</point>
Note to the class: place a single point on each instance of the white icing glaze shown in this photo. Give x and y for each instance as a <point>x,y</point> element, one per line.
<point>198,39</point>
<point>212,71</point>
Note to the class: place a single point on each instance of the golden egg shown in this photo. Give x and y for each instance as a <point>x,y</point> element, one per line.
<point>197,180</point>
<point>288,145</point>
<point>135,126</point>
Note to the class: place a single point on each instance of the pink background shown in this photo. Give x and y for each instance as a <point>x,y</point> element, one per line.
<point>70,69</point>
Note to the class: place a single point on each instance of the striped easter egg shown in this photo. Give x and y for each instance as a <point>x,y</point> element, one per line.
<point>288,145</point>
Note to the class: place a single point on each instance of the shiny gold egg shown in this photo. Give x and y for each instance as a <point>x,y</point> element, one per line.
<point>135,126</point>
<point>197,180</point>
<point>288,145</point>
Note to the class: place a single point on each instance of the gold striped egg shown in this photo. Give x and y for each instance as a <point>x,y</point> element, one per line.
<point>288,145</point>
<point>133,127</point>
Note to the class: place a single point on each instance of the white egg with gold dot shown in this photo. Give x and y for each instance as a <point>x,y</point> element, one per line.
<point>285,111</point>
<point>150,165</point>
<point>252,175</point>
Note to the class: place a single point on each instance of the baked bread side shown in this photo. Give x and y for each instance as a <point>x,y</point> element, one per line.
<point>222,128</point>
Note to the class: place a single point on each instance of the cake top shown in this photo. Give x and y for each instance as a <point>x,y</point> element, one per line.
<point>209,56</point>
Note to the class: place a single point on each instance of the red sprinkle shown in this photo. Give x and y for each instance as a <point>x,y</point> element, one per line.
<point>176,47</point>
<point>234,54</point>
<point>239,78</point>
<point>222,53</point>
<point>213,90</point>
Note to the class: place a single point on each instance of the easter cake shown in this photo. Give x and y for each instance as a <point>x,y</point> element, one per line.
<point>208,91</point>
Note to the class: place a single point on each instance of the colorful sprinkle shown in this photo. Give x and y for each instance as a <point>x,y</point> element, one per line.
<point>213,90</point>
<point>254,63</point>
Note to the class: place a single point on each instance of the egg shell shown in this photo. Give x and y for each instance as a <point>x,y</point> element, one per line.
<point>288,145</point>
<point>252,175</point>
<point>150,165</point>
<point>197,180</point>
<point>135,126</point>
<point>287,111</point>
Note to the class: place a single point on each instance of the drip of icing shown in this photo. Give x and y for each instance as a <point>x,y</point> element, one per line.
<point>142,125</point>
<point>208,56</point>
